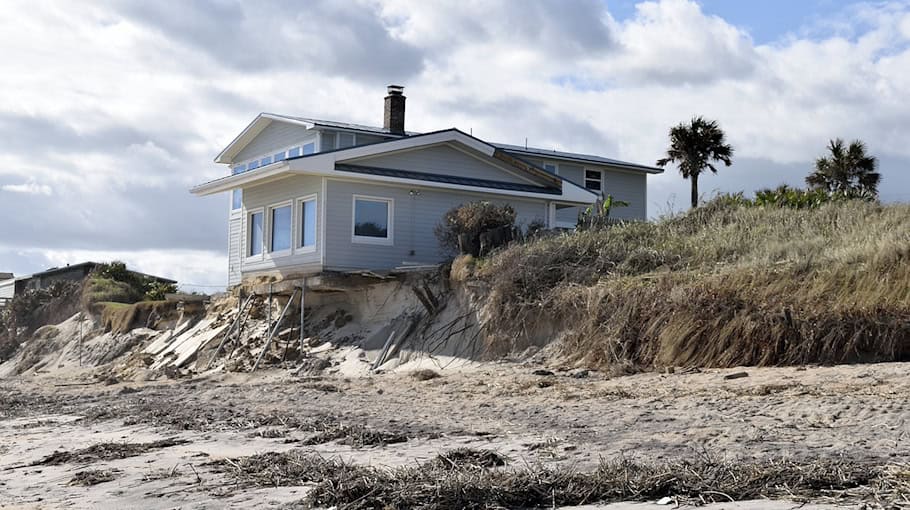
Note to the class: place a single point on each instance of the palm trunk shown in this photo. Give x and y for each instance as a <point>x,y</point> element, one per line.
<point>694,180</point>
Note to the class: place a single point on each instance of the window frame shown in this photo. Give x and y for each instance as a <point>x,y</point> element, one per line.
<point>239,205</point>
<point>600,179</point>
<point>270,229</point>
<point>248,238</point>
<point>389,240</point>
<point>554,165</point>
<point>298,240</point>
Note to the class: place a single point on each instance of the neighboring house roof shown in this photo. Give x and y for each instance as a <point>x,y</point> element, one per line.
<point>581,158</point>
<point>89,266</point>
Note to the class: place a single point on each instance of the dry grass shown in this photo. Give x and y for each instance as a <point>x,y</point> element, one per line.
<point>435,486</point>
<point>722,286</point>
<point>425,374</point>
<point>106,451</point>
<point>91,477</point>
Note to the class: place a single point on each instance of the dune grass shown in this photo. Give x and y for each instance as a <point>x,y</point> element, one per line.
<point>719,286</point>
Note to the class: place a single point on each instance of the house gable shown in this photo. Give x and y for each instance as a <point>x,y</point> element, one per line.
<point>449,160</point>
<point>274,137</point>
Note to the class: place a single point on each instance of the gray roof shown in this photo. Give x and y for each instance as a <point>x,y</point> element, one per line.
<point>450,179</point>
<point>572,156</point>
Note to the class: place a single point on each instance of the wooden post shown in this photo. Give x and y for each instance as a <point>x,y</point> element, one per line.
<point>236,324</point>
<point>302,292</point>
<point>274,330</point>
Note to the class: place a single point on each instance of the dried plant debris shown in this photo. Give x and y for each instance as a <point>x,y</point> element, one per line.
<point>91,477</point>
<point>106,451</point>
<point>425,374</point>
<point>432,486</point>
<point>463,458</point>
<point>357,436</point>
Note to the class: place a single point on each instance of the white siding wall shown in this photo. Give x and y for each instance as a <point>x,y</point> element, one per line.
<point>415,218</point>
<point>235,245</point>
<point>444,160</point>
<point>265,195</point>
<point>7,289</point>
<point>274,137</point>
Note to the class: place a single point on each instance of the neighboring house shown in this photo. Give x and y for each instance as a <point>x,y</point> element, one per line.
<point>72,273</point>
<point>309,196</point>
<point>7,288</point>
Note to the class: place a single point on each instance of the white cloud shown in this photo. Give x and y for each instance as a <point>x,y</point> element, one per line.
<point>29,188</point>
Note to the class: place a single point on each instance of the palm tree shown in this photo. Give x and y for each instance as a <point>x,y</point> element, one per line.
<point>847,171</point>
<point>694,147</point>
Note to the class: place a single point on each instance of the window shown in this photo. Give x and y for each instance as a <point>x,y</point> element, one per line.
<point>252,165</point>
<point>255,235</point>
<point>278,157</point>
<point>307,239</point>
<point>238,169</point>
<point>266,160</point>
<point>309,148</point>
<point>328,141</point>
<point>593,180</point>
<point>293,153</point>
<point>372,220</point>
<point>236,199</point>
<point>280,228</point>
<point>550,167</point>
<point>345,140</point>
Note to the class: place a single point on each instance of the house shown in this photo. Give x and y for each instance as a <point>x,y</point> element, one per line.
<point>72,273</point>
<point>309,196</point>
<point>7,288</point>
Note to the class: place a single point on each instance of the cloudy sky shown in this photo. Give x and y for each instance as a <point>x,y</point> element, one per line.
<point>110,111</point>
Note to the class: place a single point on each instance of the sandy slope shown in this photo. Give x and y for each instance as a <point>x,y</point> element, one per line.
<point>861,412</point>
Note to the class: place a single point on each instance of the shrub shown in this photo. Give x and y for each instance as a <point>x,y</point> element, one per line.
<point>597,215</point>
<point>786,196</point>
<point>112,277</point>
<point>476,227</point>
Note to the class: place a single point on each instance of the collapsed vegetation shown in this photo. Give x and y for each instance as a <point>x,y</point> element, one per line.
<point>438,484</point>
<point>723,285</point>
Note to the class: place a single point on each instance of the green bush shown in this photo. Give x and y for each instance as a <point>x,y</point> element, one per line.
<point>140,287</point>
<point>795,198</point>
<point>475,227</point>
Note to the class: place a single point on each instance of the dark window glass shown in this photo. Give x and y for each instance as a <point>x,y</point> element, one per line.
<point>371,218</point>
<point>308,224</point>
<point>293,153</point>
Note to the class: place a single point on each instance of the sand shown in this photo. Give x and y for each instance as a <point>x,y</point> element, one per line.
<point>569,419</point>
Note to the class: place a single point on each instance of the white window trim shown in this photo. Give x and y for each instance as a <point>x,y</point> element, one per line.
<point>248,237</point>
<point>271,208</point>
<point>298,231</point>
<point>585,176</point>
<point>387,241</point>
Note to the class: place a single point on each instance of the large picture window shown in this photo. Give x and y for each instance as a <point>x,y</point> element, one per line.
<point>255,234</point>
<point>307,234</point>
<point>372,220</point>
<point>280,224</point>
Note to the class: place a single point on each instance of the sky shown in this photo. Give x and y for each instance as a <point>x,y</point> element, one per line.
<point>111,110</point>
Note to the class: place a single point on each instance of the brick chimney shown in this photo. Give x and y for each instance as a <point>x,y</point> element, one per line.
<point>393,119</point>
